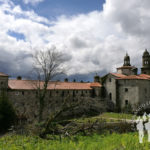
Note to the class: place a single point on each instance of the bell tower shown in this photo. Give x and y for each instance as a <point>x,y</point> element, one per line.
<point>145,63</point>
<point>127,60</point>
<point>127,69</point>
<point>96,78</point>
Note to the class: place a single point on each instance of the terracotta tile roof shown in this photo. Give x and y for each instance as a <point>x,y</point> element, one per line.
<point>31,85</point>
<point>95,84</point>
<point>138,77</point>
<point>118,75</point>
<point>3,75</point>
<point>145,75</point>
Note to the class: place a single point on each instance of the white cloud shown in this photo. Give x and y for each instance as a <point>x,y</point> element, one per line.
<point>95,42</point>
<point>32,1</point>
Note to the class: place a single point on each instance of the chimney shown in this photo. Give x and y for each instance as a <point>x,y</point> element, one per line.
<point>19,78</point>
<point>66,80</point>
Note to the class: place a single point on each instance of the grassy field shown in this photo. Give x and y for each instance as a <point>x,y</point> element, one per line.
<point>117,115</point>
<point>108,117</point>
<point>94,142</point>
<point>105,141</point>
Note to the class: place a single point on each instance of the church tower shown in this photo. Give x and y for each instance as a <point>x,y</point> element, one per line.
<point>145,63</point>
<point>127,60</point>
<point>127,69</point>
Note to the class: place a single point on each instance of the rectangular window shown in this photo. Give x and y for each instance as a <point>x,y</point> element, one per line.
<point>22,92</point>
<point>63,93</point>
<point>74,94</point>
<point>126,89</point>
<point>126,102</point>
<point>82,93</point>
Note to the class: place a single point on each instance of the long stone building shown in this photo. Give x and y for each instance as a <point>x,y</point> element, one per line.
<point>114,90</point>
<point>23,95</point>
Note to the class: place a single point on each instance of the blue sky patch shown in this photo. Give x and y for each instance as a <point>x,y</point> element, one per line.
<point>18,36</point>
<point>54,8</point>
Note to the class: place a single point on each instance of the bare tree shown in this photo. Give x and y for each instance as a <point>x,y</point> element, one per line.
<point>47,64</point>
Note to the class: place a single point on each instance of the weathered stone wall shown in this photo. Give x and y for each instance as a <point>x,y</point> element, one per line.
<point>126,71</point>
<point>135,92</point>
<point>124,92</point>
<point>26,103</point>
<point>110,87</point>
<point>144,91</point>
<point>145,70</point>
<point>128,92</point>
<point>3,82</point>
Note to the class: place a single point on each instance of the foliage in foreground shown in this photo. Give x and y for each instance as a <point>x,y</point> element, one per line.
<point>95,142</point>
<point>106,122</point>
<point>7,113</point>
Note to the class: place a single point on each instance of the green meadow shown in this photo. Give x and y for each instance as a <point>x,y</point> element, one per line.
<point>94,142</point>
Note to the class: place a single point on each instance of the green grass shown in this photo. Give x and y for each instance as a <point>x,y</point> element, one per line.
<point>95,142</point>
<point>108,117</point>
<point>117,115</point>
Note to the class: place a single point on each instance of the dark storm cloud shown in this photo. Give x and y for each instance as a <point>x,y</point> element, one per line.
<point>15,64</point>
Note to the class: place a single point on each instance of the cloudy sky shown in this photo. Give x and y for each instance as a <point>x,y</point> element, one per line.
<point>95,34</point>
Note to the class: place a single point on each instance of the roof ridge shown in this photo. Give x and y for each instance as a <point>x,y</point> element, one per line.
<point>53,81</point>
<point>29,84</point>
<point>3,74</point>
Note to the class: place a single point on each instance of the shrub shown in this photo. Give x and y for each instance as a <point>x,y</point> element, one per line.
<point>7,113</point>
<point>128,109</point>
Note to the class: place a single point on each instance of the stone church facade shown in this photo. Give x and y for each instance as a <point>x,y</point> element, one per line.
<point>118,90</point>
<point>126,87</point>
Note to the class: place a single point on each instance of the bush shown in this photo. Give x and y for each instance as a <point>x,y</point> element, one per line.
<point>128,109</point>
<point>7,113</point>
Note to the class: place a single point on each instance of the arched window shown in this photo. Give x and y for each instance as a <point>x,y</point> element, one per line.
<point>146,62</point>
<point>110,96</point>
